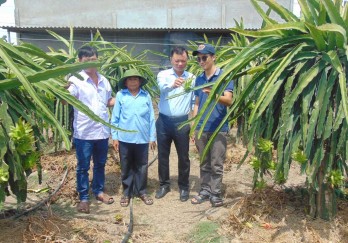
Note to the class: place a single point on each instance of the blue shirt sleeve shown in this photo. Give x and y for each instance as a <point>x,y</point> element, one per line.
<point>196,92</point>
<point>115,116</point>
<point>230,86</point>
<point>163,84</point>
<point>152,121</point>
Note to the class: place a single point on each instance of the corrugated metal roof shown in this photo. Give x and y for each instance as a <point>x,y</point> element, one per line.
<point>30,28</point>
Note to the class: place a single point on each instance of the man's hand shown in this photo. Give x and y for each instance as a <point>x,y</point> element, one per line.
<point>111,102</point>
<point>225,99</point>
<point>206,90</point>
<point>153,146</point>
<point>178,82</point>
<point>115,144</point>
<point>66,87</point>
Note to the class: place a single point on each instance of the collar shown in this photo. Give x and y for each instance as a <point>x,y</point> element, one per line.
<point>185,73</point>
<point>217,72</point>
<point>86,77</point>
<point>126,91</point>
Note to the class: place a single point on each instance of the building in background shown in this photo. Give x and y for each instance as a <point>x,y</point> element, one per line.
<point>139,25</point>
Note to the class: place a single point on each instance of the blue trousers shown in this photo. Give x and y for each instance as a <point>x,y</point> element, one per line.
<point>85,149</point>
<point>134,165</point>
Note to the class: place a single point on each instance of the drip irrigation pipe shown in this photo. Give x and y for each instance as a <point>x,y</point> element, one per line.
<point>43,202</point>
<point>131,219</point>
<point>131,223</point>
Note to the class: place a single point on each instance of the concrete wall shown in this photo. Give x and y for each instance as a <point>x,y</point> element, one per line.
<point>130,22</point>
<point>138,14</point>
<point>135,41</point>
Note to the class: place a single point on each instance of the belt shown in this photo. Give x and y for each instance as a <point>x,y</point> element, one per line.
<point>174,118</point>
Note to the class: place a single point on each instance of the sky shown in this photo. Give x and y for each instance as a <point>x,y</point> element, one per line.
<point>7,17</point>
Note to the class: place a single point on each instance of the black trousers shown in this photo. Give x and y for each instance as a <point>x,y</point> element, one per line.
<point>134,159</point>
<point>167,131</point>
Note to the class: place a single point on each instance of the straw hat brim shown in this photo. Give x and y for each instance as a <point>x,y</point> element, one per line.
<point>121,83</point>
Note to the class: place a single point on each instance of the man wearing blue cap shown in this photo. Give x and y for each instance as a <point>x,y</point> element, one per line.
<point>211,170</point>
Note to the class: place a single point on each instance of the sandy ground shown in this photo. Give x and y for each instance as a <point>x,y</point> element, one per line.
<point>269,216</point>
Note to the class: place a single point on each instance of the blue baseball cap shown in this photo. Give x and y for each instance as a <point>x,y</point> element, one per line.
<point>204,49</point>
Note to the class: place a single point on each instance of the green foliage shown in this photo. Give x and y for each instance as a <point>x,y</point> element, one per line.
<point>31,160</point>
<point>262,162</point>
<point>290,88</point>
<point>22,136</point>
<point>271,165</point>
<point>299,157</point>
<point>265,145</point>
<point>260,185</point>
<point>335,178</point>
<point>300,99</point>
<point>32,83</point>
<point>113,60</point>
<point>255,163</point>
<point>4,173</point>
<point>188,84</point>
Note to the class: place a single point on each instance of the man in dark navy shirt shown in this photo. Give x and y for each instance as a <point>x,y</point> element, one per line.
<point>211,170</point>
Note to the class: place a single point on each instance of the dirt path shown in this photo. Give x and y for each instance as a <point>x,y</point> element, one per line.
<point>271,216</point>
<point>169,219</point>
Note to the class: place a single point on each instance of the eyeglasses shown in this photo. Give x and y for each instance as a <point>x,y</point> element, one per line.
<point>203,59</point>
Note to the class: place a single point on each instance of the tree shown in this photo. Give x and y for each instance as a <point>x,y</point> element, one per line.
<point>297,99</point>
<point>31,85</point>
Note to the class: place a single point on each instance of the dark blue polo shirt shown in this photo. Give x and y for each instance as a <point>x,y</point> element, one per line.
<point>219,111</point>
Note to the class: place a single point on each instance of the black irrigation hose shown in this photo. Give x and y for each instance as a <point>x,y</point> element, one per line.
<point>43,202</point>
<point>131,220</point>
<point>153,160</point>
<point>131,223</point>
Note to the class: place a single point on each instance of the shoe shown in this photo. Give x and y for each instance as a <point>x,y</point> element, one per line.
<point>124,201</point>
<point>162,192</point>
<point>105,198</point>
<point>146,199</point>
<point>216,201</point>
<point>200,198</point>
<point>184,195</point>
<point>83,207</point>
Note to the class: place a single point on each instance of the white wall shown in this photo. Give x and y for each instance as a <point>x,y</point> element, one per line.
<point>138,14</point>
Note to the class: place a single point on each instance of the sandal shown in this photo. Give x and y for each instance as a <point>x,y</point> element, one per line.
<point>200,198</point>
<point>83,207</point>
<point>216,201</point>
<point>124,201</point>
<point>146,199</point>
<point>105,198</point>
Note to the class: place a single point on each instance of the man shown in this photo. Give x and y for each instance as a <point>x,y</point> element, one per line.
<point>173,112</point>
<point>211,170</point>
<point>90,137</point>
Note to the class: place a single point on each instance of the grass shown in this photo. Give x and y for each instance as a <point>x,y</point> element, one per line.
<point>206,232</point>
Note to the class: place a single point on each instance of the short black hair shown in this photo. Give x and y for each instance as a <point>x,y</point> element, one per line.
<point>87,51</point>
<point>179,50</point>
